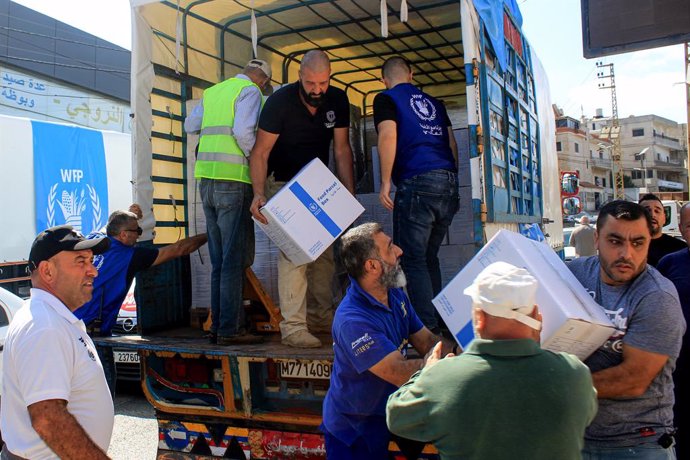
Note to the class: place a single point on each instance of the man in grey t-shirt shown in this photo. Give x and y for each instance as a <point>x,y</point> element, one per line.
<point>632,370</point>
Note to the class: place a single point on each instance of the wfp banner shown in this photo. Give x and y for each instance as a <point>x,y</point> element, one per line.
<point>70,177</point>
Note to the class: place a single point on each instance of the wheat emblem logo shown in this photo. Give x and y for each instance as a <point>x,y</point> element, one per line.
<point>73,204</point>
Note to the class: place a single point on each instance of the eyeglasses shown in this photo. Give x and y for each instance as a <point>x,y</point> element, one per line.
<point>138,231</point>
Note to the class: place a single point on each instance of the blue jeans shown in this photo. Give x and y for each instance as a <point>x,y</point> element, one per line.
<point>647,451</point>
<point>424,208</point>
<point>231,247</point>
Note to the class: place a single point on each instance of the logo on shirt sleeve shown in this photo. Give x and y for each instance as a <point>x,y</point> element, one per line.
<point>362,344</point>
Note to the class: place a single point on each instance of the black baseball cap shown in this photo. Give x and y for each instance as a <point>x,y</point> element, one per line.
<point>62,238</point>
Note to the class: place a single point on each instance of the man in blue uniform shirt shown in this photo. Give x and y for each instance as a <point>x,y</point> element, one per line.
<point>371,330</point>
<point>419,154</point>
<point>116,270</point>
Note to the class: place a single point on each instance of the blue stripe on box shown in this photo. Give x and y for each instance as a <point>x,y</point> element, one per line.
<point>315,209</point>
<point>465,335</point>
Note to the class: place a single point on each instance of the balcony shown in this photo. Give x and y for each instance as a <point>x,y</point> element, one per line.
<point>600,163</point>
<point>674,164</point>
<point>667,141</point>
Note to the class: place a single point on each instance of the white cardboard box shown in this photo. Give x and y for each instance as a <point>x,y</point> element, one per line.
<point>572,321</point>
<point>309,213</point>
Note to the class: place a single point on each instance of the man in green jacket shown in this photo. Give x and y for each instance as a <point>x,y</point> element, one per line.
<point>504,397</point>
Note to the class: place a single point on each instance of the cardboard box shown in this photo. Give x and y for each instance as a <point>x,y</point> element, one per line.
<point>309,213</point>
<point>572,321</point>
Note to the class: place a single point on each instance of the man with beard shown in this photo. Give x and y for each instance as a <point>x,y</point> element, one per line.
<point>632,370</point>
<point>371,330</point>
<point>661,243</point>
<point>297,124</point>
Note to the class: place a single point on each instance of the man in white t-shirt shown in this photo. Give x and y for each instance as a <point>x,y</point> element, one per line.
<point>55,400</point>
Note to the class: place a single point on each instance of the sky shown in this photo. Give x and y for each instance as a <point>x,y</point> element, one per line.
<point>647,82</point>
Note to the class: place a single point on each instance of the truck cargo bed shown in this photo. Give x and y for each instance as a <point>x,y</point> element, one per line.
<point>192,340</point>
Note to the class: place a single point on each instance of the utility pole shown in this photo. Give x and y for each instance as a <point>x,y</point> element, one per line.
<point>613,132</point>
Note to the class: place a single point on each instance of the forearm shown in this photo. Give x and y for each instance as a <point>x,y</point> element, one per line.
<point>405,369</point>
<point>62,432</point>
<point>386,146</point>
<point>179,249</point>
<point>258,169</point>
<point>345,171</point>
<point>618,382</point>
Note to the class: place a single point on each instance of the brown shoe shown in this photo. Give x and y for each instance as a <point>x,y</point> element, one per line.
<point>239,339</point>
<point>301,339</point>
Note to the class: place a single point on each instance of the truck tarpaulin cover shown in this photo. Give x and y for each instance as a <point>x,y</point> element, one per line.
<point>491,13</point>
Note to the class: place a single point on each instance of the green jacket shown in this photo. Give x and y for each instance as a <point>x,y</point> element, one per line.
<point>503,399</point>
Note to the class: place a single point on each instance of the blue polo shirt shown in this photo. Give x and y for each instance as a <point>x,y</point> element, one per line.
<point>364,332</point>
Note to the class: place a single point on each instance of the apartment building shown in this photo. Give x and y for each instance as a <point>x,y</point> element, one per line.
<point>653,152</point>
<point>582,151</point>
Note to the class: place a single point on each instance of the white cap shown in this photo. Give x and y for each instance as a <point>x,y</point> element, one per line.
<point>506,291</point>
<point>261,64</point>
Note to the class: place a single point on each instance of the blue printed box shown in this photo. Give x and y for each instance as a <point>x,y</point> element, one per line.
<point>309,213</point>
<point>572,321</point>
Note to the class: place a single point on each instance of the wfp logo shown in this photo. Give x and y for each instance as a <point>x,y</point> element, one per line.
<point>422,107</point>
<point>72,202</point>
<point>313,207</point>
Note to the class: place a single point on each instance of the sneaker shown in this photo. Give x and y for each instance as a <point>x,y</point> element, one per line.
<point>301,339</point>
<point>212,338</point>
<point>239,339</point>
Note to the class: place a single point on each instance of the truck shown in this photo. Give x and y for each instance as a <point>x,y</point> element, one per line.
<point>40,190</point>
<point>264,401</point>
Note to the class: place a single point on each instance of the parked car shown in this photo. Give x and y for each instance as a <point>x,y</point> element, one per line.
<point>9,305</point>
<point>127,361</point>
<point>576,217</point>
<point>568,250</point>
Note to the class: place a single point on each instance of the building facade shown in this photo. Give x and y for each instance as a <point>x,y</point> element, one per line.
<point>51,71</point>
<point>653,153</point>
<point>581,151</point>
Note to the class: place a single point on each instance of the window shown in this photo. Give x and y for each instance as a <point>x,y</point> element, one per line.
<point>650,174</point>
<point>558,147</point>
<point>603,182</point>
<point>637,132</point>
<point>594,126</point>
<point>577,147</point>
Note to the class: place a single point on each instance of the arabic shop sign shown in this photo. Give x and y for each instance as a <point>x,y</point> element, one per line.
<point>27,96</point>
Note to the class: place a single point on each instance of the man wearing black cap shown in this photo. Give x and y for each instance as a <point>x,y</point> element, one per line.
<point>56,401</point>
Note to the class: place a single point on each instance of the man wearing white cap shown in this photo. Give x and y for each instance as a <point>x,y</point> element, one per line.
<point>504,397</point>
<point>227,118</point>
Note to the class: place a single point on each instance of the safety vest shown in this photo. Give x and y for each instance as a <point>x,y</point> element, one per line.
<point>220,157</point>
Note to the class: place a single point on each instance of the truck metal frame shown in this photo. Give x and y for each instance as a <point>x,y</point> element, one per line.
<point>264,401</point>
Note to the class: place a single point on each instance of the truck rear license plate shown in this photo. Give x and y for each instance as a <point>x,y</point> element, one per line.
<point>305,369</point>
<point>126,357</point>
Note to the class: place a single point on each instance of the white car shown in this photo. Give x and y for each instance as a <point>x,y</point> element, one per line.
<point>568,250</point>
<point>9,305</point>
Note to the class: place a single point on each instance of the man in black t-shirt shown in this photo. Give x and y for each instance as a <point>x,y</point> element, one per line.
<point>661,243</point>
<point>297,124</point>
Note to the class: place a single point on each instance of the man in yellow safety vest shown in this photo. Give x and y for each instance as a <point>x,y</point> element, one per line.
<point>226,120</point>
